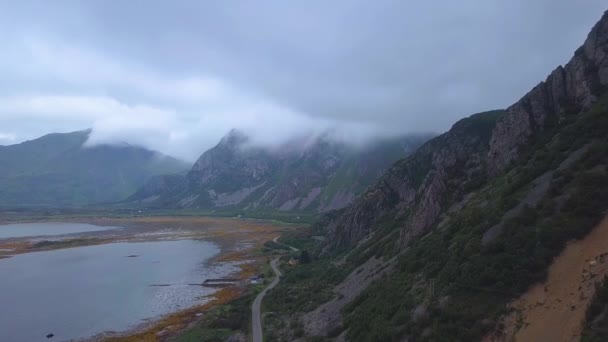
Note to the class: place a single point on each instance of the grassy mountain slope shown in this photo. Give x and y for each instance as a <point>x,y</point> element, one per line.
<point>58,170</point>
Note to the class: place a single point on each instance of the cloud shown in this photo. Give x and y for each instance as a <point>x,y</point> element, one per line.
<point>7,138</point>
<point>176,76</point>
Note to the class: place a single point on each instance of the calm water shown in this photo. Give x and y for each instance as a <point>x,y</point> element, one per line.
<point>47,229</point>
<point>80,292</point>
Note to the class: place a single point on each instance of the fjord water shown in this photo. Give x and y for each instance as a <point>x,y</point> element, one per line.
<point>80,292</point>
<point>47,229</point>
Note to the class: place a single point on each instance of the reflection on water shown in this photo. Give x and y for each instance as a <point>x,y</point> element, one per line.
<point>80,292</point>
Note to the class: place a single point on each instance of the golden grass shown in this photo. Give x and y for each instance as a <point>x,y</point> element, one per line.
<point>174,323</point>
<point>229,230</point>
<point>254,233</point>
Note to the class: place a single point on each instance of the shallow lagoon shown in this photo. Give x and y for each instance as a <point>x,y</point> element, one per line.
<point>83,291</point>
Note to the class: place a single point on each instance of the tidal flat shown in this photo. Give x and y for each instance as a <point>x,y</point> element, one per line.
<point>129,277</point>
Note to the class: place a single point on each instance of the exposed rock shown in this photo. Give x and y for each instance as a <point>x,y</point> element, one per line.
<point>313,174</point>
<point>188,201</point>
<point>420,312</point>
<point>236,197</point>
<point>338,201</point>
<point>414,192</point>
<point>567,90</point>
<point>327,317</point>
<point>312,195</point>
<point>290,204</point>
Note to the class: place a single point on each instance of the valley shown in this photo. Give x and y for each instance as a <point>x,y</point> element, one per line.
<point>353,171</point>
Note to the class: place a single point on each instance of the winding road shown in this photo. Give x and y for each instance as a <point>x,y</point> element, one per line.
<point>255,308</point>
<point>257,303</point>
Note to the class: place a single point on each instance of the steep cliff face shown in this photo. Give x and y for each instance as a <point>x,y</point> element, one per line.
<point>415,192</point>
<point>314,174</point>
<point>567,90</point>
<point>232,165</point>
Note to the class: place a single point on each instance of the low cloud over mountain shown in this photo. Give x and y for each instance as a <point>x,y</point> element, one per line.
<point>181,76</point>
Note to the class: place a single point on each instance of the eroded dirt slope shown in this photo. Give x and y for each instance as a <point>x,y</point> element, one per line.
<point>555,310</point>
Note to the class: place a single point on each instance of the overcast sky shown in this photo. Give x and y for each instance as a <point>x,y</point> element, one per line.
<point>177,75</point>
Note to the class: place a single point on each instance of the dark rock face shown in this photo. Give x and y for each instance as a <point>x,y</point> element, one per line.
<point>414,192</point>
<point>566,90</point>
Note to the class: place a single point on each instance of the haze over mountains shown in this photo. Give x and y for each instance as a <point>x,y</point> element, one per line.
<point>59,170</point>
<point>416,238</point>
<point>306,174</point>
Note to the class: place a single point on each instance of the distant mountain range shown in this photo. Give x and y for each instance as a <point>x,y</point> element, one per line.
<point>313,174</point>
<point>58,170</point>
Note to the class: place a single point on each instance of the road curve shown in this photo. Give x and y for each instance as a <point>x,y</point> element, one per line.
<point>257,302</point>
<point>276,240</point>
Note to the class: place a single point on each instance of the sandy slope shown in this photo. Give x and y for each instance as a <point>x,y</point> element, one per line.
<point>555,310</point>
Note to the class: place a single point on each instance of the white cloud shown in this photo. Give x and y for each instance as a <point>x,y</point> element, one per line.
<point>44,58</point>
<point>177,116</point>
<point>77,107</point>
<point>179,77</point>
<point>7,138</point>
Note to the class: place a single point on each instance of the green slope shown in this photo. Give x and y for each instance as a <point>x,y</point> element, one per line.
<point>58,170</point>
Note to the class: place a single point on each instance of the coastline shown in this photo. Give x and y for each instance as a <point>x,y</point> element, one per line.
<point>239,240</point>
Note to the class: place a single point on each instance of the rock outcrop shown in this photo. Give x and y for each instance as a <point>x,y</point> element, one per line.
<point>567,90</point>
<point>414,192</point>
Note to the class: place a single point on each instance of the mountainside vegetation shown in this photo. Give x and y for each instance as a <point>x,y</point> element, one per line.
<point>448,236</point>
<point>58,170</point>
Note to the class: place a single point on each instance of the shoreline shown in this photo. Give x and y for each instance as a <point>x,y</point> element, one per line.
<point>238,239</point>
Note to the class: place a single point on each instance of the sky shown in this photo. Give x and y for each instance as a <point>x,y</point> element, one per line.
<point>176,76</point>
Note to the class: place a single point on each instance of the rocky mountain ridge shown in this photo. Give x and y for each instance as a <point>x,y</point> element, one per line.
<point>307,174</point>
<point>568,89</point>
<point>444,243</point>
<point>416,191</point>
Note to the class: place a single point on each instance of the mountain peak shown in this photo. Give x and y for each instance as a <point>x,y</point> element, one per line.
<point>235,137</point>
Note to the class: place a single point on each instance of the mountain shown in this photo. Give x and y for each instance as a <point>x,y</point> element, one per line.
<point>58,170</point>
<point>441,244</point>
<point>308,174</point>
